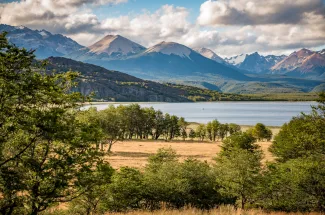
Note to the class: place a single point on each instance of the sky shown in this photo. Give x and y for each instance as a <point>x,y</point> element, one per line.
<point>228,27</point>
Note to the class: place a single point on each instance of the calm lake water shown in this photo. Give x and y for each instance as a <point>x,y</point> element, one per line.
<point>242,113</point>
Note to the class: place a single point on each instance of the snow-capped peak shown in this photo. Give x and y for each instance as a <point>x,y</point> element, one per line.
<point>21,27</point>
<point>236,60</point>
<point>208,53</point>
<point>322,52</point>
<point>44,33</point>
<point>115,44</point>
<point>170,48</point>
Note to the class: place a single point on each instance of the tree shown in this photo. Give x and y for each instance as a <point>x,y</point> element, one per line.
<point>234,128</point>
<point>111,124</point>
<point>260,132</point>
<point>93,197</point>
<point>223,130</point>
<point>43,145</point>
<point>302,136</point>
<point>243,141</point>
<point>237,175</point>
<point>295,185</point>
<point>192,134</point>
<point>174,128</point>
<point>200,132</point>
<point>209,131</point>
<point>183,134</point>
<point>159,123</point>
<point>149,115</point>
<point>238,168</point>
<point>215,129</point>
<point>183,127</point>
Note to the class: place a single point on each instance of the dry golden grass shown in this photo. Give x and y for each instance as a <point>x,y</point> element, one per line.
<point>136,153</point>
<point>224,210</point>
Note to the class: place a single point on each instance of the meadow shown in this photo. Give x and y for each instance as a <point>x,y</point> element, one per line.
<point>223,210</point>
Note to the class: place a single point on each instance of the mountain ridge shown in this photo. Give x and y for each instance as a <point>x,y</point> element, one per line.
<point>43,42</point>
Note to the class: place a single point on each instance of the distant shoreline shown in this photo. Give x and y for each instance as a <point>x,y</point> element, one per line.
<point>136,102</point>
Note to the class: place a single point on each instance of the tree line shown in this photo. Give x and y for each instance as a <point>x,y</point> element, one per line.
<point>50,153</point>
<point>126,122</point>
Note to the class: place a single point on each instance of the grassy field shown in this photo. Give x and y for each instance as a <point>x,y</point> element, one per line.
<point>134,153</point>
<point>224,210</point>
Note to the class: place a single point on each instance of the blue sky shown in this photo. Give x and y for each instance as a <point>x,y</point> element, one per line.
<point>228,27</point>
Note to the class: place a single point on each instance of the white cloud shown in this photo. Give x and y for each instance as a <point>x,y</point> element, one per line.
<point>257,12</point>
<point>61,16</point>
<point>228,27</point>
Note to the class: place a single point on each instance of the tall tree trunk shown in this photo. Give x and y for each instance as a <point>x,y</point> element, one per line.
<point>109,147</point>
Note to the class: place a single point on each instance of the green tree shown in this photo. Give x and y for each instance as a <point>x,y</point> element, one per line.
<point>234,128</point>
<point>260,132</point>
<point>149,115</point>
<point>192,134</point>
<point>159,124</point>
<point>43,146</point>
<point>209,131</point>
<point>240,140</point>
<point>296,185</point>
<point>237,175</point>
<point>183,134</point>
<point>238,168</point>
<point>183,127</point>
<point>302,136</point>
<point>111,124</point>
<point>215,129</point>
<point>222,131</point>
<point>92,198</point>
<point>201,132</point>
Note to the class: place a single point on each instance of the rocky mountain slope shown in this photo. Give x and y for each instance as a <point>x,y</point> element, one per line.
<point>208,53</point>
<point>45,43</point>
<point>256,63</point>
<point>303,63</point>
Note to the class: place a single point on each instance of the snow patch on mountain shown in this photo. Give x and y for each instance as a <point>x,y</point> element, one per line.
<point>171,48</point>
<point>236,60</point>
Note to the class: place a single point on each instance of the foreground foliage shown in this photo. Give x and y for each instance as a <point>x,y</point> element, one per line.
<point>45,152</point>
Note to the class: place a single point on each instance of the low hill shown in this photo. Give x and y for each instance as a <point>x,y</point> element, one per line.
<point>111,85</point>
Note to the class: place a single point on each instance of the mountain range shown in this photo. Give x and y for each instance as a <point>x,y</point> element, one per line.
<point>303,63</point>
<point>45,43</point>
<point>159,62</point>
<point>177,63</point>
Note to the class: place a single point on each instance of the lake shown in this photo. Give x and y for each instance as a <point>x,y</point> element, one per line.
<point>242,113</point>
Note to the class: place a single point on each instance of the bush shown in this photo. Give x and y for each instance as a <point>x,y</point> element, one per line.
<point>296,185</point>
<point>125,191</point>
